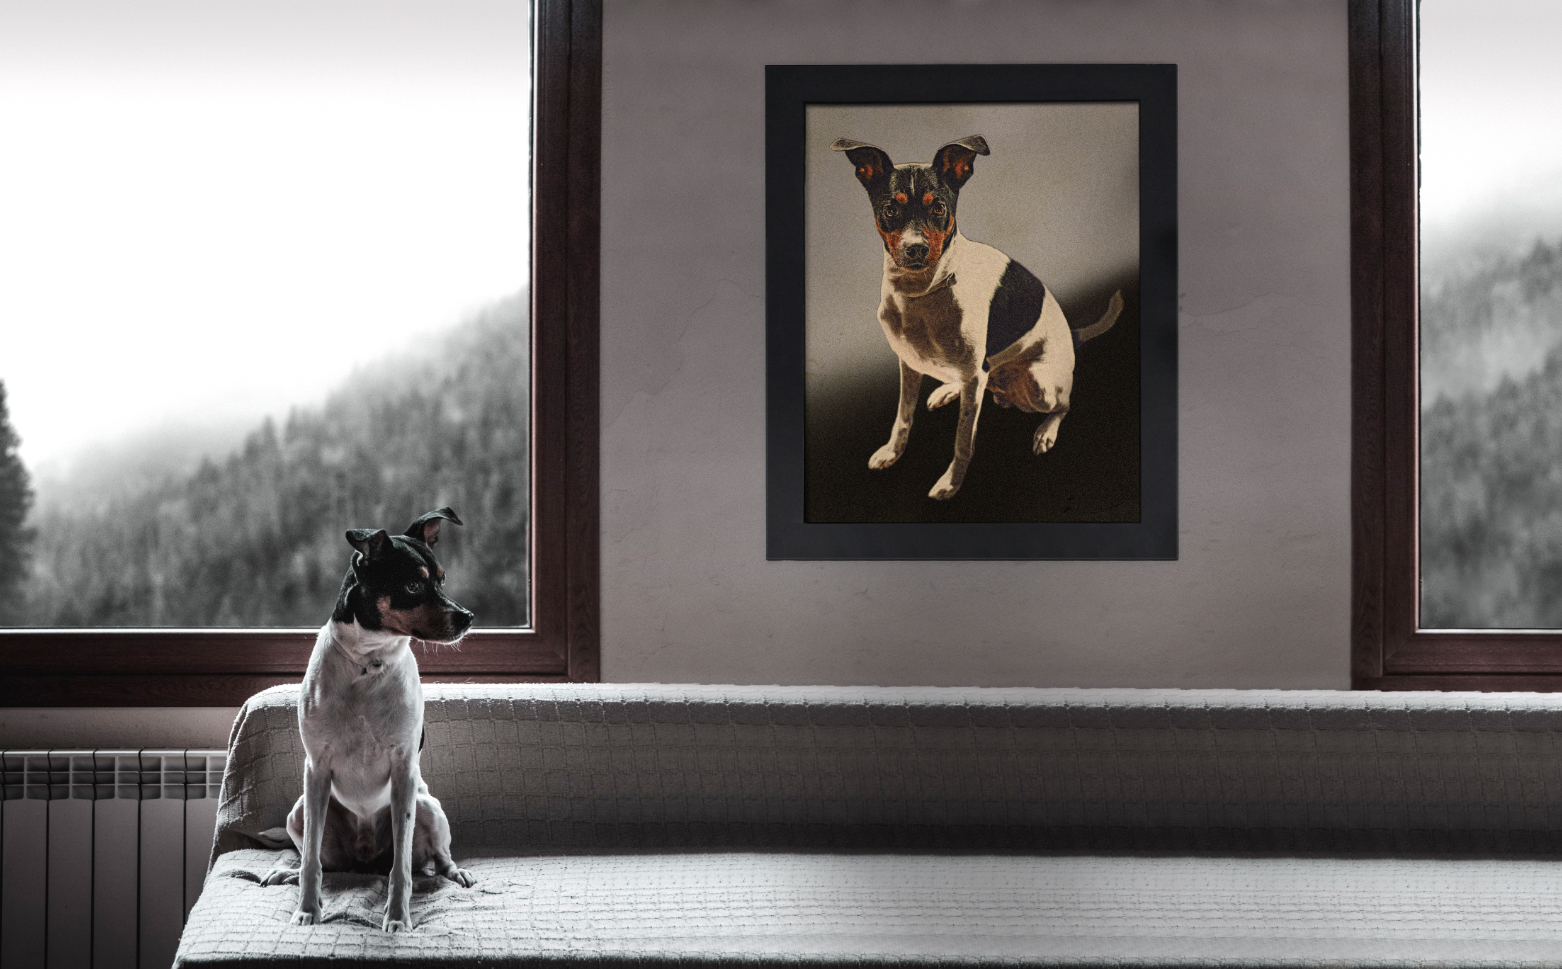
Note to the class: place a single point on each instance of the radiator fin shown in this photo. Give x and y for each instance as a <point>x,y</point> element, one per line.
<point>102,854</point>
<point>70,883</point>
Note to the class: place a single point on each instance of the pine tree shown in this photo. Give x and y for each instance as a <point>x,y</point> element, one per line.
<point>16,497</point>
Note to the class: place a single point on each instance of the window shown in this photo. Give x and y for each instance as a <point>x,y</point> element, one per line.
<point>1441,597</point>
<point>155,584</point>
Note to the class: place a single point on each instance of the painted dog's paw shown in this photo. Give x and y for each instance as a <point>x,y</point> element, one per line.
<point>884,457</point>
<point>945,394</point>
<point>280,876</point>
<point>305,917</point>
<point>1046,436</point>
<point>945,488</point>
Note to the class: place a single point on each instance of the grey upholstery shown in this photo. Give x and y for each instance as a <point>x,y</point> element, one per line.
<point>1054,827</point>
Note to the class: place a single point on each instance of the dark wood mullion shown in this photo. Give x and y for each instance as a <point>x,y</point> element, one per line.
<point>1367,415</point>
<point>550,315</point>
<point>223,667</point>
<point>1477,651</point>
<point>1514,683</point>
<point>1400,337</point>
<point>584,288</point>
<point>1389,650</point>
<point>176,690</point>
<point>231,652</point>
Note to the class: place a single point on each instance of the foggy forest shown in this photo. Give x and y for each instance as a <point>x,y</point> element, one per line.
<point>1491,440</point>
<point>254,537</point>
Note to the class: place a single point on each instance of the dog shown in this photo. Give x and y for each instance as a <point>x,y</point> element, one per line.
<point>360,713</point>
<point>960,311</point>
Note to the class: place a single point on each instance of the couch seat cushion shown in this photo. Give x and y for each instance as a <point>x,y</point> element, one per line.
<point>903,909</point>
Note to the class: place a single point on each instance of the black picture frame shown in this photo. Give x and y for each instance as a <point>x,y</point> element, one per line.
<point>796,530</point>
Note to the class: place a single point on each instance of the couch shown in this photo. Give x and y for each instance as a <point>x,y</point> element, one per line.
<point>661,825</point>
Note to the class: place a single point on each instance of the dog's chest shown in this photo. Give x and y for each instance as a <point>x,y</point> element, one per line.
<point>927,331</point>
<point>358,727</point>
<point>359,753</point>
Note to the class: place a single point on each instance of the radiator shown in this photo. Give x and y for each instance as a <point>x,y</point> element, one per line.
<point>102,854</point>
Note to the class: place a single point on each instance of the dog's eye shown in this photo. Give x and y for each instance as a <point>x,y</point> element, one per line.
<point>413,588</point>
<point>891,210</point>
<point>937,208</point>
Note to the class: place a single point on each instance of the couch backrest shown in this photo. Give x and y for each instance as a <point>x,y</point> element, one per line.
<point>569,767</point>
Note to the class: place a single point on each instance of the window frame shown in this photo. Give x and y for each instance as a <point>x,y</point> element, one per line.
<point>223,667</point>
<point>1389,650</point>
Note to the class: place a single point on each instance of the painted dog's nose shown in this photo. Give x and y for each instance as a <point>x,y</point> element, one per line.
<point>916,252</point>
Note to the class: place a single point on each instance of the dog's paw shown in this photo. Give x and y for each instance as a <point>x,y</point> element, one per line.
<point>884,457</point>
<point>461,877</point>
<point>397,925</point>
<point>945,488</point>
<point>1046,436</point>
<point>303,917</point>
<point>945,394</point>
<point>280,876</point>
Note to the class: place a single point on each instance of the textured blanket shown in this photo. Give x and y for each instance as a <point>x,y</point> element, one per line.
<point>792,909</point>
<point>671,825</point>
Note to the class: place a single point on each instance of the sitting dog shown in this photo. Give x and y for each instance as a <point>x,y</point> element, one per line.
<point>961,311</point>
<point>365,806</point>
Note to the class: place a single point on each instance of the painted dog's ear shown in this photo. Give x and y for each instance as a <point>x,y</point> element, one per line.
<point>953,161</point>
<point>873,165</point>
<point>426,528</point>
<point>371,543</point>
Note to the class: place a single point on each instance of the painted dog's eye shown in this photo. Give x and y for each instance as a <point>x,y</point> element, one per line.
<point>937,208</point>
<point>413,588</point>
<point>891,210</point>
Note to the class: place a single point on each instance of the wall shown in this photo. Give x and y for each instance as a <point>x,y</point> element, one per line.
<point>1260,595</point>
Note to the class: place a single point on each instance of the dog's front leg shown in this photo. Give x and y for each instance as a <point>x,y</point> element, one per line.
<point>317,797</point>
<point>404,793</point>
<point>971,393</point>
<point>910,383</point>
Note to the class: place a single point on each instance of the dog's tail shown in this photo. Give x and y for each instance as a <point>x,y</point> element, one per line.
<point>275,838</point>
<point>1113,307</point>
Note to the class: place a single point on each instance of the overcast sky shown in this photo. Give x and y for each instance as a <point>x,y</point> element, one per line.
<point>1491,80</point>
<point>210,210</point>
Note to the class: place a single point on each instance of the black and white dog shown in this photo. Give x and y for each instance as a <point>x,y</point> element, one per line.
<point>360,713</point>
<point>961,311</point>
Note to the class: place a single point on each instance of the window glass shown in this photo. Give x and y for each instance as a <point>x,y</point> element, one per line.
<point>265,278</point>
<point>1491,315</point>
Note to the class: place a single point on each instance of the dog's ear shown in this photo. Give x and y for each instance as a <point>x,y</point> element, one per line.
<point>953,161</point>
<point>370,542</point>
<point>426,528</point>
<point>873,165</point>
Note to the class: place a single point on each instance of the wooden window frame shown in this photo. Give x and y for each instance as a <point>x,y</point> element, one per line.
<point>216,667</point>
<point>1389,650</point>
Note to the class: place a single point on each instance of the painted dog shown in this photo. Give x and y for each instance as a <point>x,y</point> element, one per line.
<point>960,311</point>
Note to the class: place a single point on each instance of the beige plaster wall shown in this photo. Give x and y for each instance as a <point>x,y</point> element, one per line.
<point>1260,596</point>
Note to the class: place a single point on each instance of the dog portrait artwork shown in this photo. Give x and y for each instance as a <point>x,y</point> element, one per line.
<point>960,311</point>
<point>988,231</point>
<point>971,311</point>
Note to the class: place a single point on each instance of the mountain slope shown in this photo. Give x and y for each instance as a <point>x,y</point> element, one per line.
<point>1491,506</point>
<point>1496,317</point>
<point>256,539</point>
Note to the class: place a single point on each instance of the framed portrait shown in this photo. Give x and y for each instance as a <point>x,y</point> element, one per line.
<point>971,312</point>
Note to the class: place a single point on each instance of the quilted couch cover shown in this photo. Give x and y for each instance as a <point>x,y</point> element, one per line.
<point>720,825</point>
